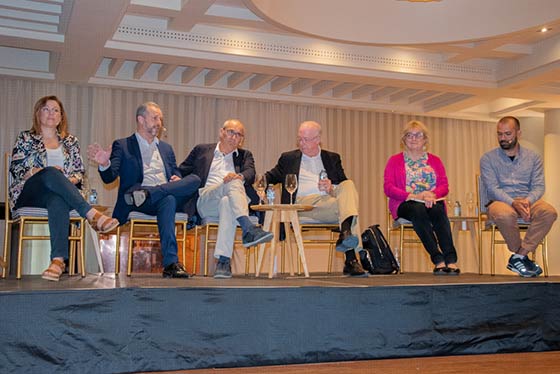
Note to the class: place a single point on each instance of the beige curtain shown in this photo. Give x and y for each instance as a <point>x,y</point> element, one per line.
<point>365,139</point>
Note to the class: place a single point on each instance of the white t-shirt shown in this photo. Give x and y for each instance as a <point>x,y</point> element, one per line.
<point>309,170</point>
<point>55,157</point>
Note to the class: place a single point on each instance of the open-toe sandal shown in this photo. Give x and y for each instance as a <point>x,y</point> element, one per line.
<point>102,223</point>
<point>54,271</point>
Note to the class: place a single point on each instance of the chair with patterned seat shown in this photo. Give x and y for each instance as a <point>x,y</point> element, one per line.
<point>136,227</point>
<point>486,224</point>
<point>26,217</point>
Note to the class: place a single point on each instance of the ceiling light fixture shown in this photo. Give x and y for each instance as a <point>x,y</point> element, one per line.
<point>544,29</point>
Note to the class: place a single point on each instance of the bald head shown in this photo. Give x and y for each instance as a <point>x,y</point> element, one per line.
<point>309,138</point>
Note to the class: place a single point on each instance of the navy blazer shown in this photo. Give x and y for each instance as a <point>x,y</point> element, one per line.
<point>126,163</point>
<point>199,160</point>
<point>289,163</point>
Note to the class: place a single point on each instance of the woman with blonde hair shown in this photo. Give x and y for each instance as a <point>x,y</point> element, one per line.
<point>46,169</point>
<point>416,184</point>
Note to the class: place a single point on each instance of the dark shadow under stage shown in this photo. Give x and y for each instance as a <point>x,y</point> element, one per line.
<point>103,324</point>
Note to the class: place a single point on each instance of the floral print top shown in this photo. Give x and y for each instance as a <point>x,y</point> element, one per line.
<point>420,176</point>
<point>29,152</point>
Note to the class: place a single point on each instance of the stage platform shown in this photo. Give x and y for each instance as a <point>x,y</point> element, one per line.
<point>108,324</point>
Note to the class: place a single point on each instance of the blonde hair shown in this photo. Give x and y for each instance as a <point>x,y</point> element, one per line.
<point>414,124</point>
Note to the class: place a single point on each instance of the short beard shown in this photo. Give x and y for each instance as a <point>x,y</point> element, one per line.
<point>508,145</point>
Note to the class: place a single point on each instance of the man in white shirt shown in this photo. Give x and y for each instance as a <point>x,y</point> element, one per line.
<point>227,173</point>
<point>149,180</point>
<point>333,196</point>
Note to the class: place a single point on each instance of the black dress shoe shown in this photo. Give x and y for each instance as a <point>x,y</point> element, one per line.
<point>346,240</point>
<point>176,270</point>
<point>441,271</point>
<point>453,271</point>
<point>353,269</point>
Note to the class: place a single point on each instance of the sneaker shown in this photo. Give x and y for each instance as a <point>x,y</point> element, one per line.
<point>366,261</point>
<point>346,240</point>
<point>223,270</point>
<point>532,266</point>
<point>517,265</point>
<point>255,236</point>
<point>353,269</point>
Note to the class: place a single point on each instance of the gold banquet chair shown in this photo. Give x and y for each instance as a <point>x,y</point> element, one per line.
<point>311,226</point>
<point>26,217</point>
<point>486,224</point>
<point>208,230</point>
<point>137,226</point>
<point>402,226</point>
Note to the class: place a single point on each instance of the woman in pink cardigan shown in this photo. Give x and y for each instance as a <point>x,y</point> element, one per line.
<point>416,184</point>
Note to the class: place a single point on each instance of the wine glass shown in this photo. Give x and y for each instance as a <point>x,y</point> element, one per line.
<point>470,203</point>
<point>450,203</point>
<point>291,185</point>
<point>260,186</point>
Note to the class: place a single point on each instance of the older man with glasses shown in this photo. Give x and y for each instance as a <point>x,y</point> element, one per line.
<point>227,172</point>
<point>323,184</point>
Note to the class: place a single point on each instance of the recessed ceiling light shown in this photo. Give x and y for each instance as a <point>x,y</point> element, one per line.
<point>544,29</point>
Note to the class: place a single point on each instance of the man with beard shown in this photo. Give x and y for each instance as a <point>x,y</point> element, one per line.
<point>149,181</point>
<point>514,180</point>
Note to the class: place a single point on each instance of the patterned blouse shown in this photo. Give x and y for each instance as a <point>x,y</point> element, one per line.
<point>30,152</point>
<point>420,176</point>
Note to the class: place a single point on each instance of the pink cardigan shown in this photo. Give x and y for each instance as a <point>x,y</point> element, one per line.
<point>395,180</point>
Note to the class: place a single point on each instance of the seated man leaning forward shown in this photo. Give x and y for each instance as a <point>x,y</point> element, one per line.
<point>514,180</point>
<point>333,196</point>
<point>227,173</point>
<point>150,182</point>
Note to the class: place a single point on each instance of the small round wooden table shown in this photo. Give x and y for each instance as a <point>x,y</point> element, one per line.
<point>274,215</point>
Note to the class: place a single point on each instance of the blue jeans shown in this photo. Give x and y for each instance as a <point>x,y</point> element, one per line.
<point>432,227</point>
<point>163,202</point>
<point>50,189</point>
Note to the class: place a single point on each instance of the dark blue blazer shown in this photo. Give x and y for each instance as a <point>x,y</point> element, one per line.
<point>199,160</point>
<point>126,163</point>
<point>289,163</point>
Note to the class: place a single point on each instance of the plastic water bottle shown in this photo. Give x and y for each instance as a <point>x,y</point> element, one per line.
<point>457,209</point>
<point>93,197</point>
<point>270,194</point>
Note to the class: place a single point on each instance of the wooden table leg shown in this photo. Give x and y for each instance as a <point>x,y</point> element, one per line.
<point>273,242</point>
<point>266,227</point>
<point>299,240</point>
<point>288,252</point>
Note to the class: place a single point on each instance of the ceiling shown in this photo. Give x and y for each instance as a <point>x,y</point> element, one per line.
<point>453,58</point>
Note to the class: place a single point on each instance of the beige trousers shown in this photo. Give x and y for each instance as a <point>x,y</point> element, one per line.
<point>335,208</point>
<point>542,217</point>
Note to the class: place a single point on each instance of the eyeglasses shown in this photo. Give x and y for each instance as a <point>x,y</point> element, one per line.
<point>414,135</point>
<point>232,133</point>
<point>46,109</point>
<point>307,140</point>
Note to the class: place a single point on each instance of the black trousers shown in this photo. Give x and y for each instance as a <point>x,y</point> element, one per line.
<point>433,228</point>
<point>50,189</point>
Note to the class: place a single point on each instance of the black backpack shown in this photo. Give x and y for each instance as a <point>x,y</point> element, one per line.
<point>380,254</point>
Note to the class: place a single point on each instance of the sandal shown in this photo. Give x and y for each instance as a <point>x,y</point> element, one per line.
<point>102,223</point>
<point>55,269</point>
